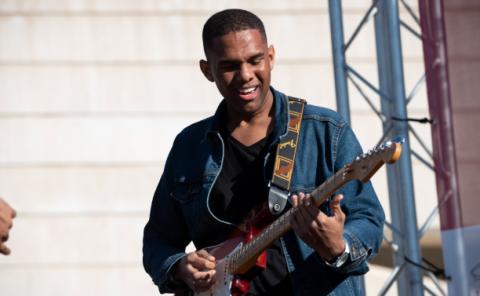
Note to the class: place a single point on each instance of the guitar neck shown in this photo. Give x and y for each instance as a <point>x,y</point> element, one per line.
<point>250,251</point>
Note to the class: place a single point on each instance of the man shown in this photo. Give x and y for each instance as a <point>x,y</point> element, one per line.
<point>6,216</point>
<point>219,169</point>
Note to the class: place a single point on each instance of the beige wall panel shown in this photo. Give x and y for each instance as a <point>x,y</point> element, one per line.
<point>308,81</point>
<point>165,5</point>
<point>461,4</point>
<point>66,238</point>
<point>80,190</point>
<point>62,280</point>
<point>425,194</point>
<point>466,136</point>
<point>167,37</point>
<point>88,139</point>
<point>136,88</point>
<point>111,89</point>
<point>99,38</point>
<point>464,77</point>
<point>462,26</point>
<point>469,188</point>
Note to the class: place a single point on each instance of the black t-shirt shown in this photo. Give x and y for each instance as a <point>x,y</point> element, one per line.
<point>241,186</point>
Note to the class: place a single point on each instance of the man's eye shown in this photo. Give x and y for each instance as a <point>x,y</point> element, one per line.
<point>256,61</point>
<point>228,67</point>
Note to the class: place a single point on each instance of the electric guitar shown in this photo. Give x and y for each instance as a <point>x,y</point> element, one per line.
<point>237,256</point>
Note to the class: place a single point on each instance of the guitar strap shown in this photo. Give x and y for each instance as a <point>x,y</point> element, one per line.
<point>285,159</point>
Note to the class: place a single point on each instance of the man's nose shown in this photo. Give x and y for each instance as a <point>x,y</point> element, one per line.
<point>246,72</point>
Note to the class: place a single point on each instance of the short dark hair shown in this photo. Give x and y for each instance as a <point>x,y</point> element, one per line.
<point>227,21</point>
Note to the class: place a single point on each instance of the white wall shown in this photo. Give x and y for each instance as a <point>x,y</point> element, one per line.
<point>92,94</point>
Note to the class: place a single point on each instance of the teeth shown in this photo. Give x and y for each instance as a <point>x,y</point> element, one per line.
<point>247,90</point>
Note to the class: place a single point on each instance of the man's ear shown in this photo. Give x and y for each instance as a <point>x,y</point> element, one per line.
<point>206,70</point>
<point>271,56</point>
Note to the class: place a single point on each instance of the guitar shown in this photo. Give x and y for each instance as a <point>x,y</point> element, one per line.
<point>239,255</point>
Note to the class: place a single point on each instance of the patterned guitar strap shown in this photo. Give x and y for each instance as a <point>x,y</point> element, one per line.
<point>285,159</point>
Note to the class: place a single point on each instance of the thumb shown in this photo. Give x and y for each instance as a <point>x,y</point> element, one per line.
<point>335,205</point>
<point>4,249</point>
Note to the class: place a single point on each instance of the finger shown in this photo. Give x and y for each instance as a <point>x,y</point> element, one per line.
<point>305,218</point>
<point>9,210</point>
<point>335,205</point>
<point>301,197</point>
<point>309,204</point>
<point>294,200</point>
<point>204,254</point>
<point>314,214</point>
<point>202,263</point>
<point>4,249</point>
<point>191,270</point>
<point>204,276</point>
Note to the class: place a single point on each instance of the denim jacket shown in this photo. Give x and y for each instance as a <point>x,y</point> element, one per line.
<point>180,211</point>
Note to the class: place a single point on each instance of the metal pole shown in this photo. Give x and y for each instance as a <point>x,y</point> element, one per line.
<point>400,176</point>
<point>444,156</point>
<point>404,166</point>
<point>385,86</point>
<point>338,51</point>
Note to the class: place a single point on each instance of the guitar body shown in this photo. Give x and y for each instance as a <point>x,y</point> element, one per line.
<point>234,284</point>
<point>237,283</point>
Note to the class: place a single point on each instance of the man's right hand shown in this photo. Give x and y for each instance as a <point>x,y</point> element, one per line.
<point>197,270</point>
<point>6,216</point>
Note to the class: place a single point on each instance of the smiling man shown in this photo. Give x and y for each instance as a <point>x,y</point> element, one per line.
<point>220,169</point>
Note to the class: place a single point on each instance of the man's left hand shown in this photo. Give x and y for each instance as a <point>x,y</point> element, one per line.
<point>321,232</point>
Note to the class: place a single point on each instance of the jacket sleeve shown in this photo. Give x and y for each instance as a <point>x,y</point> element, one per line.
<point>165,234</point>
<point>365,218</point>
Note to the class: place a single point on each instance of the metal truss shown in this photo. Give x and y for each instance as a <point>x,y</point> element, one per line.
<point>409,268</point>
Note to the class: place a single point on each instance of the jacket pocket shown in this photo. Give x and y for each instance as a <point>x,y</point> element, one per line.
<point>185,190</point>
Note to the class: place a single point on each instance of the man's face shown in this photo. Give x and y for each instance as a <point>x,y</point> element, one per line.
<point>240,64</point>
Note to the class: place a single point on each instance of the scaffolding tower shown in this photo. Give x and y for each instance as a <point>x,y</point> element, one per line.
<point>408,268</point>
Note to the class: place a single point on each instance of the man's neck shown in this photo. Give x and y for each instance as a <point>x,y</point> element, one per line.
<point>249,129</point>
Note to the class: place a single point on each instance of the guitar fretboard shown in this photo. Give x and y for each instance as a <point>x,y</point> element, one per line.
<point>281,225</point>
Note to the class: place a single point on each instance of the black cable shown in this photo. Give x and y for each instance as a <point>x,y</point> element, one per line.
<point>424,120</point>
<point>437,271</point>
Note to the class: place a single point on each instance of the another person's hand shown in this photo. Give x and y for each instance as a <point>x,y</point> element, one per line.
<point>6,216</point>
<point>197,270</point>
<point>321,232</point>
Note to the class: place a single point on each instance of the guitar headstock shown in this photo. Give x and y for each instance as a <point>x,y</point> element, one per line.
<point>365,165</point>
